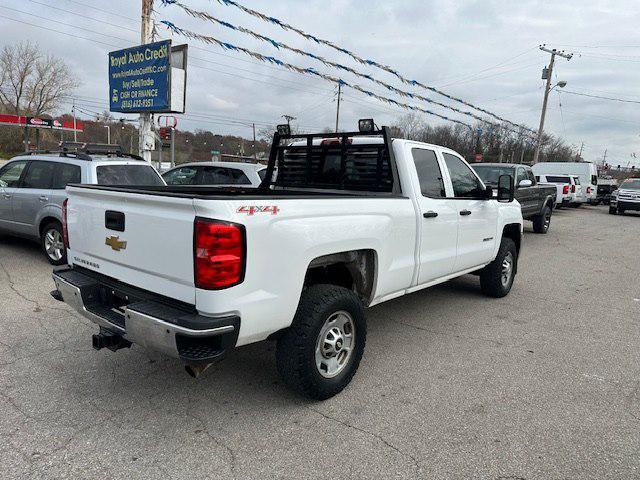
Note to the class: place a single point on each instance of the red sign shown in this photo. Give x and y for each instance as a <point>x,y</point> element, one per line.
<point>36,122</point>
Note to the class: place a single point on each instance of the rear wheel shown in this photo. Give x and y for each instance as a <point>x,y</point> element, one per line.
<point>542,222</point>
<point>497,278</point>
<point>319,354</point>
<point>53,244</point>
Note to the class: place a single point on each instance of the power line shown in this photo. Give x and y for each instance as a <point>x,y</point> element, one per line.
<point>108,12</point>
<point>330,44</point>
<point>601,97</point>
<point>84,16</point>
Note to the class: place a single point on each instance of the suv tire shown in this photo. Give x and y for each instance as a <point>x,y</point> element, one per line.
<point>542,222</point>
<point>52,244</point>
<point>311,355</point>
<point>497,278</point>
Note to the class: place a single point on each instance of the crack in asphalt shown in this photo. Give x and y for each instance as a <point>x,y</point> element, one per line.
<point>217,441</point>
<point>449,334</point>
<point>405,455</point>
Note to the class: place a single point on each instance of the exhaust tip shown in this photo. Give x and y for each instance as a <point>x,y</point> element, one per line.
<point>195,370</point>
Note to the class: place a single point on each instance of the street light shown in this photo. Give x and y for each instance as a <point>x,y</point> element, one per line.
<point>108,134</point>
<point>560,84</point>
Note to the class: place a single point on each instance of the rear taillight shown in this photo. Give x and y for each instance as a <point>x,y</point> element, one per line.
<point>565,189</point>
<point>65,228</point>
<point>573,189</point>
<point>219,254</point>
<point>588,190</point>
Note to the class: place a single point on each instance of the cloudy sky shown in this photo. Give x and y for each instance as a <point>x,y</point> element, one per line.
<point>484,51</point>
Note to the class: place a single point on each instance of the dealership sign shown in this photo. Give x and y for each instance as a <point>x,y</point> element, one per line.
<point>37,122</point>
<point>142,78</point>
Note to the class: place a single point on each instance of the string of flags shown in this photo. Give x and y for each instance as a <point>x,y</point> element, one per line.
<point>362,61</point>
<point>280,45</point>
<point>306,71</point>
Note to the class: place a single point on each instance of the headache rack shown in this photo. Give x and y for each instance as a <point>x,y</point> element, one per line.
<point>343,161</point>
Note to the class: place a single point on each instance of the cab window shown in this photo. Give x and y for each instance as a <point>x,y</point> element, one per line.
<point>10,174</point>
<point>465,183</point>
<point>521,174</point>
<point>531,177</point>
<point>429,174</point>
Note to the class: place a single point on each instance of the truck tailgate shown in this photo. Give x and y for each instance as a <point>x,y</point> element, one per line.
<point>141,240</point>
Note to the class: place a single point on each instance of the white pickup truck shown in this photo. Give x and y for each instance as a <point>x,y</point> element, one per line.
<point>350,220</point>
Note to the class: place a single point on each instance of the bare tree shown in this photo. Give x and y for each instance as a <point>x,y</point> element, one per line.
<point>32,83</point>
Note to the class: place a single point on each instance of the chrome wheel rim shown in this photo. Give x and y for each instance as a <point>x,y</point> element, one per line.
<point>507,269</point>
<point>335,344</point>
<point>547,220</point>
<point>53,244</point>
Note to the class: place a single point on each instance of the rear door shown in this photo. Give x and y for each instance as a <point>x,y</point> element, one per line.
<point>438,218</point>
<point>477,216</point>
<point>33,195</point>
<point>10,176</point>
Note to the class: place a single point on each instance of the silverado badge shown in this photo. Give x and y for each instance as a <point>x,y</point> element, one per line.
<point>115,243</point>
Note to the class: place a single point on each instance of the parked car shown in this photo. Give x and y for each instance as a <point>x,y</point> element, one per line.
<point>586,172</point>
<point>627,197</point>
<point>606,186</point>
<point>563,188</point>
<point>349,222</point>
<point>537,201</point>
<point>224,174</point>
<point>32,189</point>
<point>578,190</point>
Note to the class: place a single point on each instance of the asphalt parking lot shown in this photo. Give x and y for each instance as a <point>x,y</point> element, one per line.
<point>542,384</point>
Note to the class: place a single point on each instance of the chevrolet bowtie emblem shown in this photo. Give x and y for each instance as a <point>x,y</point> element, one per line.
<point>115,243</point>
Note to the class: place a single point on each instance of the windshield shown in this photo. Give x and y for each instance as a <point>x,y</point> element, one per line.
<point>632,184</point>
<point>138,175</point>
<point>491,173</point>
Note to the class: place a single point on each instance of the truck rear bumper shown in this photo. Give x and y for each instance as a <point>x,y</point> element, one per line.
<point>141,319</point>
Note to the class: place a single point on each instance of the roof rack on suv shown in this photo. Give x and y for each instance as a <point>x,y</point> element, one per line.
<point>96,149</point>
<point>78,155</point>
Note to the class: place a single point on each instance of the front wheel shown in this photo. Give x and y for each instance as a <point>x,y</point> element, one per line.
<point>53,244</point>
<point>497,278</point>
<point>320,353</point>
<point>542,222</point>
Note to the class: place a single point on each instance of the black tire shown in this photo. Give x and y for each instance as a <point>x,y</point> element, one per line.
<point>613,211</point>
<point>55,229</point>
<point>491,276</point>
<point>621,211</point>
<point>542,222</point>
<point>296,349</point>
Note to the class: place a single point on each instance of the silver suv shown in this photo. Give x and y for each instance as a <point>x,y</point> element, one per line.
<point>32,189</point>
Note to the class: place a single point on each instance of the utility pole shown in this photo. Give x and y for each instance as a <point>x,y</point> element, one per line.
<point>604,157</point>
<point>547,89</point>
<point>255,157</point>
<point>146,139</point>
<point>338,109</point>
<point>75,131</point>
<point>288,118</point>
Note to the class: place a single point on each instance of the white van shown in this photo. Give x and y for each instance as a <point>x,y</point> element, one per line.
<point>587,172</point>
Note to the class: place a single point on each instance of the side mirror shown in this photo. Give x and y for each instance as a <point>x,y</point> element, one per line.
<point>525,183</point>
<point>505,188</point>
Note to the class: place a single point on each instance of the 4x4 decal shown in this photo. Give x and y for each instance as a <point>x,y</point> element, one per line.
<point>253,209</point>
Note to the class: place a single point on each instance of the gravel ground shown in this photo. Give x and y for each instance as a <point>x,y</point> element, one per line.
<point>541,384</point>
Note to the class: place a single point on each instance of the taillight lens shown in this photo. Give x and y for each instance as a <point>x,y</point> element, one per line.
<point>219,254</point>
<point>565,189</point>
<point>573,189</point>
<point>588,189</point>
<point>65,228</point>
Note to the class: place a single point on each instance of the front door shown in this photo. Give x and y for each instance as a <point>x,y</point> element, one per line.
<point>9,179</point>
<point>438,218</point>
<point>477,215</point>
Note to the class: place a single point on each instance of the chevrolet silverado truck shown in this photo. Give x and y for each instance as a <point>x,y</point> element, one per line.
<point>349,221</point>
<point>537,199</point>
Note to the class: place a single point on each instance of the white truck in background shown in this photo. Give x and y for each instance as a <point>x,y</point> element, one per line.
<point>586,172</point>
<point>563,184</point>
<point>350,220</point>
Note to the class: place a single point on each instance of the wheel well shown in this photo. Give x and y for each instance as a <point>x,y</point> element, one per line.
<point>45,221</point>
<point>512,231</point>
<point>354,270</point>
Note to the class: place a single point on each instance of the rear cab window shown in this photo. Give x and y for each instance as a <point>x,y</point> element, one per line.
<point>139,174</point>
<point>556,179</point>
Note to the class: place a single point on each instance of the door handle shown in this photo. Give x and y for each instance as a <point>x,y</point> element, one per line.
<point>430,214</point>
<point>43,198</point>
<point>464,213</point>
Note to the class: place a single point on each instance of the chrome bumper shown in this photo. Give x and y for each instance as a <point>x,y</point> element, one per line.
<point>139,322</point>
